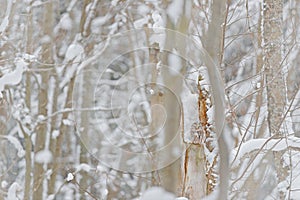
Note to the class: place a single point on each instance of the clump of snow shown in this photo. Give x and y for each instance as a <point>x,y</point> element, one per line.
<point>159,35</point>
<point>157,19</point>
<point>190,111</point>
<point>84,167</point>
<point>29,57</point>
<point>37,3</point>
<point>114,2</point>
<point>70,177</point>
<point>15,77</point>
<point>51,197</point>
<point>67,122</point>
<point>157,193</point>
<point>48,174</point>
<point>45,39</point>
<point>66,22</point>
<point>12,191</point>
<point>74,51</point>
<point>55,134</point>
<point>98,22</point>
<point>16,144</point>
<point>175,10</point>
<point>4,184</point>
<point>182,198</point>
<point>41,118</point>
<point>264,145</point>
<point>4,24</point>
<point>43,156</point>
<point>174,62</point>
<point>142,9</point>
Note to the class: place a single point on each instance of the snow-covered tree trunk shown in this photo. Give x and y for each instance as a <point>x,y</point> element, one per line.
<point>196,176</point>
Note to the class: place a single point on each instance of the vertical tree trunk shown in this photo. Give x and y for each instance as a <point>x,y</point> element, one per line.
<point>213,44</point>
<point>259,65</point>
<point>172,174</point>
<point>272,38</point>
<point>195,178</point>
<point>41,129</point>
<point>28,145</point>
<point>213,38</point>
<point>86,96</point>
<point>194,183</point>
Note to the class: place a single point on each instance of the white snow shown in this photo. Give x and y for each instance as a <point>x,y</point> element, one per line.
<point>55,134</point>
<point>158,22</point>
<point>70,177</point>
<point>43,156</point>
<point>15,77</point>
<point>41,118</point>
<point>37,3</point>
<point>157,19</point>
<point>29,57</point>
<point>4,184</point>
<point>159,35</point>
<point>4,24</point>
<point>157,193</point>
<point>175,10</point>
<point>46,39</point>
<point>190,111</point>
<point>16,144</point>
<point>264,145</point>
<point>66,22</point>
<point>141,22</point>
<point>51,197</point>
<point>83,167</point>
<point>67,122</point>
<point>114,2</point>
<point>174,63</point>
<point>143,9</point>
<point>74,51</point>
<point>12,191</point>
<point>48,174</point>
<point>98,22</point>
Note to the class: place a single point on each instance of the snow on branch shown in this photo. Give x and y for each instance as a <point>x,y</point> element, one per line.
<point>14,77</point>
<point>15,142</point>
<point>263,145</point>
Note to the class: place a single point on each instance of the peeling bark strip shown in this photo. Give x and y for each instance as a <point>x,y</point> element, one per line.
<point>203,118</point>
<point>194,184</point>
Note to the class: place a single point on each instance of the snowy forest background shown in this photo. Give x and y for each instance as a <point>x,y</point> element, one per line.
<point>155,99</point>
